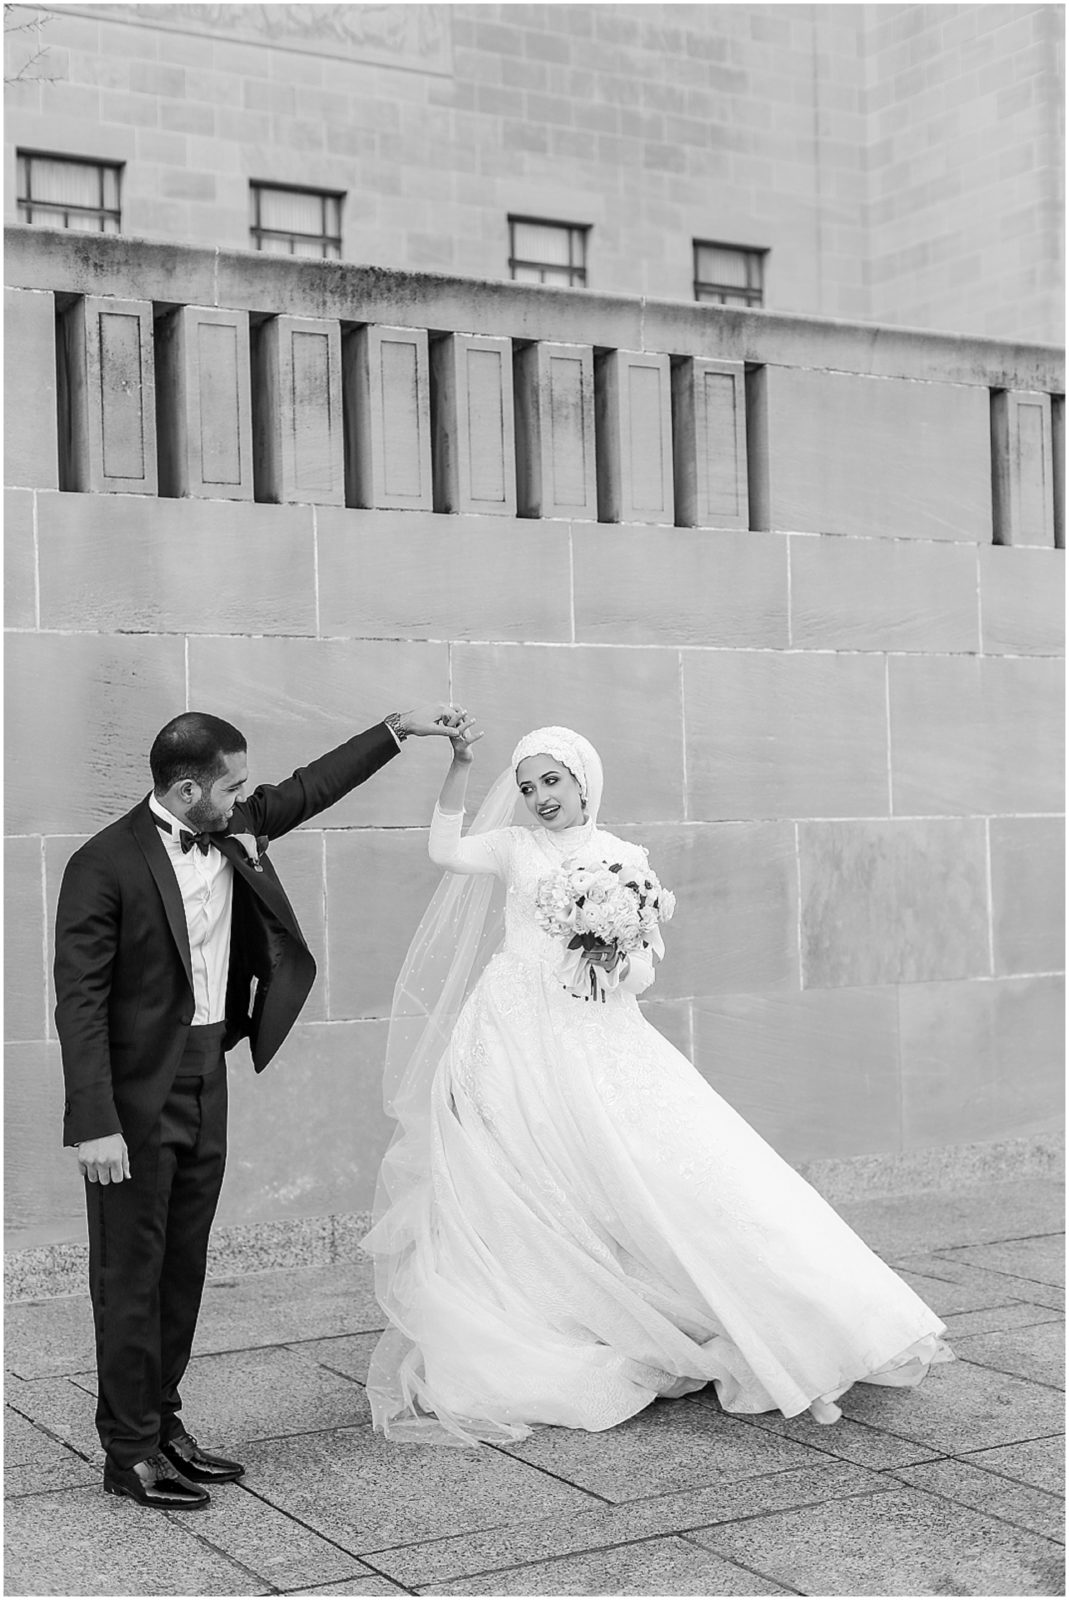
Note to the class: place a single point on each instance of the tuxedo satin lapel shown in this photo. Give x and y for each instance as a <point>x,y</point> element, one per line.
<point>148,837</point>
<point>264,884</point>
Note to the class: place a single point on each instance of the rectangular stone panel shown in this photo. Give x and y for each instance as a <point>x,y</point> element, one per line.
<point>884,457</point>
<point>785,734</point>
<point>107,396</point>
<point>1022,601</point>
<point>1028,893</point>
<point>625,701</point>
<point>736,923</point>
<point>883,594</point>
<point>977,736</point>
<point>388,418</point>
<point>674,586</point>
<point>473,426</point>
<point>431,576</point>
<point>172,566</point>
<point>556,473</point>
<point>298,431</point>
<point>20,559</point>
<point>31,447</point>
<point>981,1060</point>
<point>78,759</point>
<point>296,698</point>
<point>1022,467</point>
<point>709,443</point>
<point>204,404</point>
<point>24,972</point>
<point>43,1197</point>
<point>893,902</point>
<point>387,871</point>
<point>307,1135</point>
<point>815,1073</point>
<point>1057,440</point>
<point>633,418</point>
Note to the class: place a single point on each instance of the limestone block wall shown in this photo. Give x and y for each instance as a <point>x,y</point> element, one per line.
<point>899,162</point>
<point>801,583</point>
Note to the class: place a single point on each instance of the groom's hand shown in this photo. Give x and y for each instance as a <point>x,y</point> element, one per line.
<point>441,718</point>
<point>104,1160</point>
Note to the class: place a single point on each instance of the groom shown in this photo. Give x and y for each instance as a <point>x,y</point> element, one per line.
<point>174,940</point>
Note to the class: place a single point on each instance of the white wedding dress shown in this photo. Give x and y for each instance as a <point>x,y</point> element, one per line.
<point>596,1226</point>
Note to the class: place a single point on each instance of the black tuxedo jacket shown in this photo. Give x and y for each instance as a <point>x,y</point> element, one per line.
<point>124,984</point>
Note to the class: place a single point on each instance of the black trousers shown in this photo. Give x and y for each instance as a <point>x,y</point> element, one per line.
<point>148,1251</point>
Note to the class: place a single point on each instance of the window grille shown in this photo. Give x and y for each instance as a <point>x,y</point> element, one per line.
<point>729,275</point>
<point>547,252</point>
<point>295,222</point>
<point>68,192</point>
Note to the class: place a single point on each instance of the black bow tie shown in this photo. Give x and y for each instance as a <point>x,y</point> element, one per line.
<point>187,840</point>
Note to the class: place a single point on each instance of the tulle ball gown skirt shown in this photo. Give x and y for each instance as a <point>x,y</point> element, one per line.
<point>596,1227</point>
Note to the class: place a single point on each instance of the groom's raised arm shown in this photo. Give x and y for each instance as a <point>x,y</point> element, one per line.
<point>275,808</point>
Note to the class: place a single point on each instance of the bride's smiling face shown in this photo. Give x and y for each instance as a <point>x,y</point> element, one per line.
<point>550,792</point>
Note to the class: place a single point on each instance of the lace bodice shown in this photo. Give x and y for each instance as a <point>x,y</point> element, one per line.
<point>521,858</point>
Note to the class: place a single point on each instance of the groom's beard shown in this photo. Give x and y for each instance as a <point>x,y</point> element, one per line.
<point>204,817</point>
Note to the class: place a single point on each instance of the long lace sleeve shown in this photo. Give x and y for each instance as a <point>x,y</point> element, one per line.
<point>485,853</point>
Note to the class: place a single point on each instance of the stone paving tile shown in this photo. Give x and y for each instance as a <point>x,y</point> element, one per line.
<point>288,1307</point>
<point>997,1319</point>
<point>363,1492</point>
<point>230,1399</point>
<point>948,1298</point>
<point>48,1338</point>
<point>348,1354</point>
<point>497,1549</point>
<point>846,1439</point>
<point>270,1544</point>
<point>65,1408</point>
<point>1039,1462</point>
<point>981,1287</point>
<point>355,1586</point>
<point>25,1445</point>
<point>1036,1353</point>
<point>674,1444</point>
<point>968,1485</point>
<point>666,1566</point>
<point>905,1543</point>
<point>88,1543</point>
<point>1038,1260</point>
<point>959,1407</point>
<point>929,1220</point>
<point>68,1471</point>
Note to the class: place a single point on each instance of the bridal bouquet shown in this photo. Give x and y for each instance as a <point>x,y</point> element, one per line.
<point>600,908</point>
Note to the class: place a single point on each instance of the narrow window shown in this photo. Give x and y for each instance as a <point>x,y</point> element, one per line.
<point>68,192</point>
<point>729,274</point>
<point>547,252</point>
<point>295,222</point>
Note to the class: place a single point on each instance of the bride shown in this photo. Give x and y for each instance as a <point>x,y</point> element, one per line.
<point>570,1222</point>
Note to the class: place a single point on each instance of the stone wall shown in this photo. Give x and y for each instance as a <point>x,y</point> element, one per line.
<point>900,162</point>
<point>757,559</point>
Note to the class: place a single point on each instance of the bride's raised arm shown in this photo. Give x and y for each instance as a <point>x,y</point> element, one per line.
<point>484,852</point>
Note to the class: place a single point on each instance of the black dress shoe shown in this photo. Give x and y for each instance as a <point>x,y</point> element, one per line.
<point>153,1483</point>
<point>187,1458</point>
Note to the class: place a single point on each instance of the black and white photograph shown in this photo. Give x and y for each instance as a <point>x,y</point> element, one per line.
<point>534,553</point>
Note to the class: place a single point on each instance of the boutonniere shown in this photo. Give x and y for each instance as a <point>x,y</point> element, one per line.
<point>254,847</point>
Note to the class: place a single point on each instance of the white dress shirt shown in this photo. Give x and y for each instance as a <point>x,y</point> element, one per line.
<point>206,882</point>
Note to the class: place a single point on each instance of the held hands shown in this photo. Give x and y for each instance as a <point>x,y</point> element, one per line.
<point>104,1160</point>
<point>439,718</point>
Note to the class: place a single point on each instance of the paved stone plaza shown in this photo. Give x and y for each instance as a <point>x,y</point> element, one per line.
<point>955,1488</point>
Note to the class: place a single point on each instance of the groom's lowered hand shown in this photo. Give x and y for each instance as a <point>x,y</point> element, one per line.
<point>104,1160</point>
<point>440,718</point>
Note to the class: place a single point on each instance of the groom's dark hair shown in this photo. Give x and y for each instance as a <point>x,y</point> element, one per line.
<point>193,745</point>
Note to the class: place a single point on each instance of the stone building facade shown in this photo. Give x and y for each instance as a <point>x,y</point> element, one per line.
<point>894,163</point>
<point>802,587</point>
